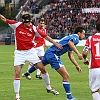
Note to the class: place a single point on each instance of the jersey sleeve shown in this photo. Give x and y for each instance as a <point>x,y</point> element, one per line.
<point>42,33</point>
<point>75,39</point>
<point>87,45</point>
<point>34,28</point>
<point>13,23</point>
<point>87,42</point>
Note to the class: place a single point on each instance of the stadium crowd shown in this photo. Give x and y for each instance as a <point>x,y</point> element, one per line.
<point>64,16</point>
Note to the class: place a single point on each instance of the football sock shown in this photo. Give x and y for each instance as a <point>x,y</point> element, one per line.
<point>47,80</point>
<point>30,65</point>
<point>16,86</point>
<point>96,96</point>
<point>38,72</point>
<point>32,69</point>
<point>66,86</point>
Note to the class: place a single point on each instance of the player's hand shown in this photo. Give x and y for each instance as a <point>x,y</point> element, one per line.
<point>2,18</point>
<point>80,57</point>
<point>59,46</point>
<point>86,62</point>
<point>79,69</point>
<point>46,46</point>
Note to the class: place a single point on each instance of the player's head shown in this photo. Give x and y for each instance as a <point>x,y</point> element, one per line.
<point>26,18</point>
<point>98,26</point>
<point>41,22</point>
<point>80,31</point>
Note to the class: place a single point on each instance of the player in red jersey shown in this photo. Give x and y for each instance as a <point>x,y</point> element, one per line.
<point>39,46</point>
<point>93,45</point>
<point>24,49</point>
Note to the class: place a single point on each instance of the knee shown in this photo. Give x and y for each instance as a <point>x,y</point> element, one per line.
<point>43,71</point>
<point>41,66</point>
<point>66,77</point>
<point>95,91</point>
<point>17,74</point>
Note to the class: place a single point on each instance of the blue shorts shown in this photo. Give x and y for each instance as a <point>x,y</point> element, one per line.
<point>52,59</point>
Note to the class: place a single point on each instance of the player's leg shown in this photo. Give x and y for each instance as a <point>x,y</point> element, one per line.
<point>66,84</point>
<point>40,53</point>
<point>29,71</point>
<point>56,63</point>
<point>31,67</point>
<point>94,82</point>
<point>17,81</point>
<point>19,61</point>
<point>32,58</point>
<point>38,74</point>
<point>45,75</point>
<point>46,78</point>
<point>96,95</point>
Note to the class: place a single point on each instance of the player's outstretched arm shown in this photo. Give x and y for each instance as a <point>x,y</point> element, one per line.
<point>71,57</point>
<point>2,18</point>
<point>73,47</point>
<point>59,46</point>
<point>43,34</point>
<point>45,44</point>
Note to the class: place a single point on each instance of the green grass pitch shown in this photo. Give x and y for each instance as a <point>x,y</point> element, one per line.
<point>35,89</point>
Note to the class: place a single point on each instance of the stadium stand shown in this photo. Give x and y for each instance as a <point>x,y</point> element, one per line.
<point>63,16</point>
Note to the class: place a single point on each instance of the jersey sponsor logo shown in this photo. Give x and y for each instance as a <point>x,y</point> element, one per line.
<point>28,34</point>
<point>96,39</point>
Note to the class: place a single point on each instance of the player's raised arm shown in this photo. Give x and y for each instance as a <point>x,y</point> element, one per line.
<point>2,18</point>
<point>12,23</point>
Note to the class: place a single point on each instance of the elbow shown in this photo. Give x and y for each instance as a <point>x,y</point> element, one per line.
<point>70,55</point>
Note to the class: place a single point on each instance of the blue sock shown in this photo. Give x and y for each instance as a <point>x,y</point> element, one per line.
<point>66,86</point>
<point>32,69</point>
<point>26,74</point>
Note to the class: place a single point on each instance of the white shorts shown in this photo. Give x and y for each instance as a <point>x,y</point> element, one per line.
<point>94,79</point>
<point>21,56</point>
<point>40,51</point>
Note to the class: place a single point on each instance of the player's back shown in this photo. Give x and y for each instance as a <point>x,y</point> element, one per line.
<point>64,42</point>
<point>95,51</point>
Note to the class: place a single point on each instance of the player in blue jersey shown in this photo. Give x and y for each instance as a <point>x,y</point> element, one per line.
<point>52,57</point>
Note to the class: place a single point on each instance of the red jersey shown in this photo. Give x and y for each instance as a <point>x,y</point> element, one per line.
<point>93,42</point>
<point>24,35</point>
<point>40,40</point>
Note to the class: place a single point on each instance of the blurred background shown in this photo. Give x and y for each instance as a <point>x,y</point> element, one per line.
<point>61,16</point>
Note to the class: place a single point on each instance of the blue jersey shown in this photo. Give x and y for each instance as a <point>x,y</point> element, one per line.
<point>64,42</point>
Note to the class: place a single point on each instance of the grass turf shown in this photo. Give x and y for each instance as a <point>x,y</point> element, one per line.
<point>34,89</point>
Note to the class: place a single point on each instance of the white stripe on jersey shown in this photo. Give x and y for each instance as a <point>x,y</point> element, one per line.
<point>14,26</point>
